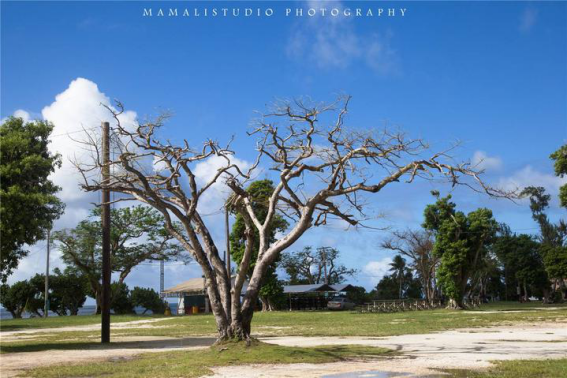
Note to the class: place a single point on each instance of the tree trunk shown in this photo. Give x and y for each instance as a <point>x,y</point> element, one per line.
<point>455,304</point>
<point>526,298</point>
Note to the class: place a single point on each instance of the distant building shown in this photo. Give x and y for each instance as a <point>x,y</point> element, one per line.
<point>192,294</point>
<point>313,297</point>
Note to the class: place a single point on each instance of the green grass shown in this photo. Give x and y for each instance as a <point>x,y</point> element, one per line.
<point>285,323</point>
<point>197,363</point>
<point>305,323</point>
<point>519,369</point>
<point>64,321</point>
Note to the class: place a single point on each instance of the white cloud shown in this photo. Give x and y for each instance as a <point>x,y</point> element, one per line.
<point>78,107</point>
<point>482,161</point>
<point>332,42</point>
<point>376,270</point>
<point>20,113</point>
<point>214,197</point>
<point>528,19</point>
<point>528,176</point>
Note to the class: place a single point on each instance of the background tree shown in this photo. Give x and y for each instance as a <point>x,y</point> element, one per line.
<point>271,292</point>
<point>321,170</point>
<point>560,166</point>
<point>137,234</point>
<point>67,293</point>
<point>417,245</point>
<point>358,295</point>
<point>308,266</point>
<point>121,300</point>
<point>461,242</point>
<point>386,289</point>
<point>553,237</point>
<point>148,299</point>
<point>15,298</point>
<point>522,264</point>
<point>28,202</point>
<point>399,269</point>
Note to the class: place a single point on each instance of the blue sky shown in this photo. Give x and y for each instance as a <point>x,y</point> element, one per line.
<point>492,75</point>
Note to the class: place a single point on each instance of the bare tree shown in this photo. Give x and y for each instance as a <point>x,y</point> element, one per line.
<point>322,170</point>
<point>418,247</point>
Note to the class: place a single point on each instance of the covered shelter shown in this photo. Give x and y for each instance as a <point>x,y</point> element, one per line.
<point>191,293</point>
<point>308,297</point>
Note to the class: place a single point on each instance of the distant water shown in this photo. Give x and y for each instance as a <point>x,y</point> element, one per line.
<point>85,310</point>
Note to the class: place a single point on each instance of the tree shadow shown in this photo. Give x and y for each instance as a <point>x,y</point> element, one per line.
<point>22,347</point>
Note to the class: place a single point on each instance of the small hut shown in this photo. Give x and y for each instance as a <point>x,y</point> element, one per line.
<point>191,293</point>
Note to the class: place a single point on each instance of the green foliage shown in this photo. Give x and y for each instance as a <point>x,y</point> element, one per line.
<point>15,298</point>
<point>260,192</point>
<point>308,266</point>
<point>551,234</point>
<point>28,205</point>
<point>137,234</point>
<point>69,290</point>
<point>461,242</point>
<point>387,288</point>
<point>560,166</point>
<point>358,295</point>
<point>555,261</point>
<point>121,301</point>
<point>67,293</point>
<point>522,262</point>
<point>148,299</point>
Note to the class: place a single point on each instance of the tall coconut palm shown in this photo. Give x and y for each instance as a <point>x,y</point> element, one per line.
<point>398,267</point>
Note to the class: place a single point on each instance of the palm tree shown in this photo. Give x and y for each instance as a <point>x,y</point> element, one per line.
<point>398,266</point>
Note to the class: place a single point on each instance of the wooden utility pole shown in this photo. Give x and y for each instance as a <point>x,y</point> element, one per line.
<point>161,278</point>
<point>46,294</point>
<point>105,323</point>
<point>324,253</point>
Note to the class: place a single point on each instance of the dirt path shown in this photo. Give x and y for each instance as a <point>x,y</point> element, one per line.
<point>147,323</point>
<point>420,354</point>
<point>465,348</point>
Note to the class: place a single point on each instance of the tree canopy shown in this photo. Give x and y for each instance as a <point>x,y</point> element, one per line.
<point>260,191</point>
<point>461,242</point>
<point>28,201</point>
<point>137,234</point>
<point>310,266</point>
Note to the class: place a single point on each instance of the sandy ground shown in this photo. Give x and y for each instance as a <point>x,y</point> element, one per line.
<point>8,336</point>
<point>419,354</point>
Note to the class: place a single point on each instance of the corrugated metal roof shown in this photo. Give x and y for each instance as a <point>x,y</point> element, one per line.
<point>195,286</point>
<point>296,289</point>
<point>342,287</point>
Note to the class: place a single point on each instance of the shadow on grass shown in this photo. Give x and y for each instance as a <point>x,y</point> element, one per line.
<point>21,347</point>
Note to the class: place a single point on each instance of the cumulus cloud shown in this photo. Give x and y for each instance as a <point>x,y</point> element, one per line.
<point>78,108</point>
<point>332,42</point>
<point>481,160</point>
<point>20,113</point>
<point>527,20</point>
<point>376,270</point>
<point>528,176</point>
<point>214,197</point>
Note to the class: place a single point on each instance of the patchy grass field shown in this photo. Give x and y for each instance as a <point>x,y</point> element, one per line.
<point>282,324</point>
<point>7,325</point>
<point>195,364</point>
<point>519,369</point>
